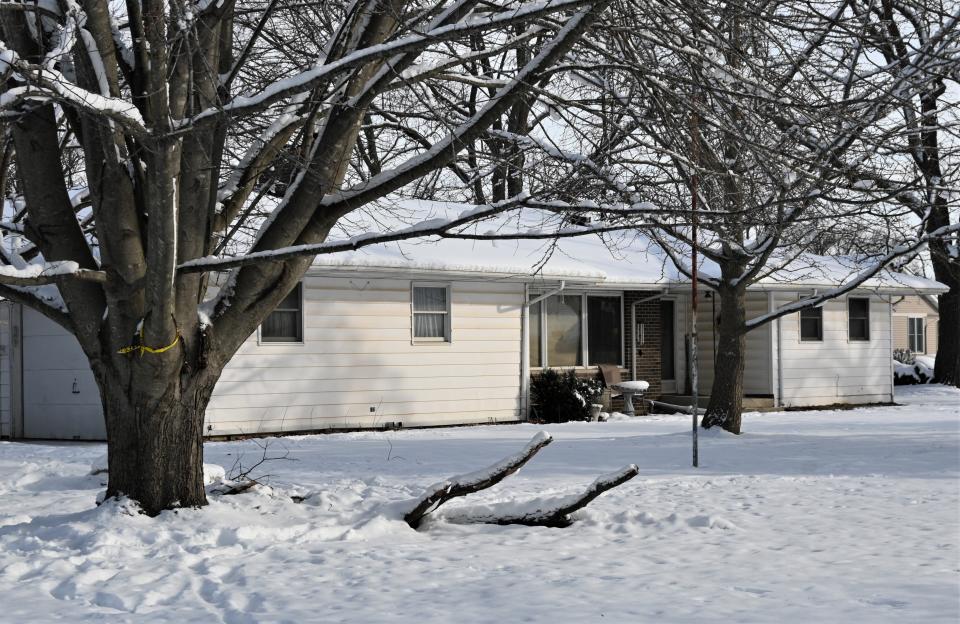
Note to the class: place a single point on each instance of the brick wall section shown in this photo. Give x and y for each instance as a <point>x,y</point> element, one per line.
<point>648,353</point>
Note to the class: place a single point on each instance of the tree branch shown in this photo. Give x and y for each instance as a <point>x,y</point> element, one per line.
<point>462,485</point>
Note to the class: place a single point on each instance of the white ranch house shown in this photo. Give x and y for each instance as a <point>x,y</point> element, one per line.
<point>426,334</point>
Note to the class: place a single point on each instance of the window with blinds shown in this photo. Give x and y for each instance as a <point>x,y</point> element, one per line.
<point>811,324</point>
<point>858,318</point>
<point>285,323</point>
<point>916,335</point>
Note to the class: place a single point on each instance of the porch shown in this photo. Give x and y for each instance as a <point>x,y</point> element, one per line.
<point>752,403</point>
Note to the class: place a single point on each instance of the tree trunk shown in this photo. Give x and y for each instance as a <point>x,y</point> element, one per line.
<point>947,370</point>
<point>725,407</point>
<point>155,446</point>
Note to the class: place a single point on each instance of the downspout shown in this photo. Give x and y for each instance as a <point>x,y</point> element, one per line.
<point>633,332</point>
<point>525,344</point>
<point>778,396</point>
<point>890,338</point>
<point>17,424</point>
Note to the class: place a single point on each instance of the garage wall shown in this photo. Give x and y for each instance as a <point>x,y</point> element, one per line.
<point>358,366</point>
<point>357,354</point>
<point>60,396</point>
<point>836,369</point>
<point>757,376</point>
<point>6,415</point>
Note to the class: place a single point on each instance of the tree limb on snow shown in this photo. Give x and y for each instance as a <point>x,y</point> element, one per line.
<point>462,485</point>
<point>549,512</point>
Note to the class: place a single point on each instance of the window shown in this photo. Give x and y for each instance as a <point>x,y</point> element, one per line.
<point>431,313</point>
<point>916,335</point>
<point>564,335</point>
<point>536,342</point>
<point>667,360</point>
<point>811,324</point>
<point>574,329</point>
<point>858,318</point>
<point>285,323</point>
<point>604,339</point>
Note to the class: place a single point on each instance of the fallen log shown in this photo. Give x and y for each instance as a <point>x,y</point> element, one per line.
<point>232,488</point>
<point>549,512</point>
<point>461,485</point>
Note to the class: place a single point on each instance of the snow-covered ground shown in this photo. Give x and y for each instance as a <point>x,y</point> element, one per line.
<point>838,516</point>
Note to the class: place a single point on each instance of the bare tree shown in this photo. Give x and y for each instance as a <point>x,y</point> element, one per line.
<point>182,116</point>
<point>930,144</point>
<point>784,126</point>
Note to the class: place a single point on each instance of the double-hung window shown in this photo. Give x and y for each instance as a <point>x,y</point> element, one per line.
<point>430,307</point>
<point>916,335</point>
<point>811,324</point>
<point>858,318</point>
<point>576,329</point>
<point>285,323</point>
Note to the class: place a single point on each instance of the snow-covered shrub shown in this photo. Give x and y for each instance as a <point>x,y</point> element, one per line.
<point>910,374</point>
<point>910,369</point>
<point>904,356</point>
<point>559,397</point>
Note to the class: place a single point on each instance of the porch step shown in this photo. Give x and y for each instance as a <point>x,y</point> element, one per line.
<point>753,404</point>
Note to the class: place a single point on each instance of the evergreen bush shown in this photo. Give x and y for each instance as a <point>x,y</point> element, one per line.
<point>562,396</point>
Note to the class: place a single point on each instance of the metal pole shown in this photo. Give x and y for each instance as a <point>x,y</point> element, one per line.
<point>694,377</point>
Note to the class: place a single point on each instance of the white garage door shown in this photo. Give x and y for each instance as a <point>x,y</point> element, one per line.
<point>60,397</point>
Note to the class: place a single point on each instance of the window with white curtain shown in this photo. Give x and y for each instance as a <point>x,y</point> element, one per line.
<point>431,313</point>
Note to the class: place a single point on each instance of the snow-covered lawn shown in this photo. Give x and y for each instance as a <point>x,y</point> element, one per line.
<point>839,516</point>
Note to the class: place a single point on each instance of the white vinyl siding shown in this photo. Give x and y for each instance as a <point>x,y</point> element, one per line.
<point>757,378</point>
<point>357,354</point>
<point>836,369</point>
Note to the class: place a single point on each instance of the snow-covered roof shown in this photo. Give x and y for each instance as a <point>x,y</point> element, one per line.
<point>612,260</point>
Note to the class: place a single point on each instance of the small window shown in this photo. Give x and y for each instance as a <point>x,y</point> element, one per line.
<point>431,313</point>
<point>811,324</point>
<point>285,323</point>
<point>858,318</point>
<point>916,335</point>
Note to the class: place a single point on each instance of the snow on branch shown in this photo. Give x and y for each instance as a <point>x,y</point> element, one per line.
<point>313,77</point>
<point>437,227</point>
<point>462,485</point>
<point>47,273</point>
<point>858,280</point>
<point>45,83</point>
<point>550,512</point>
